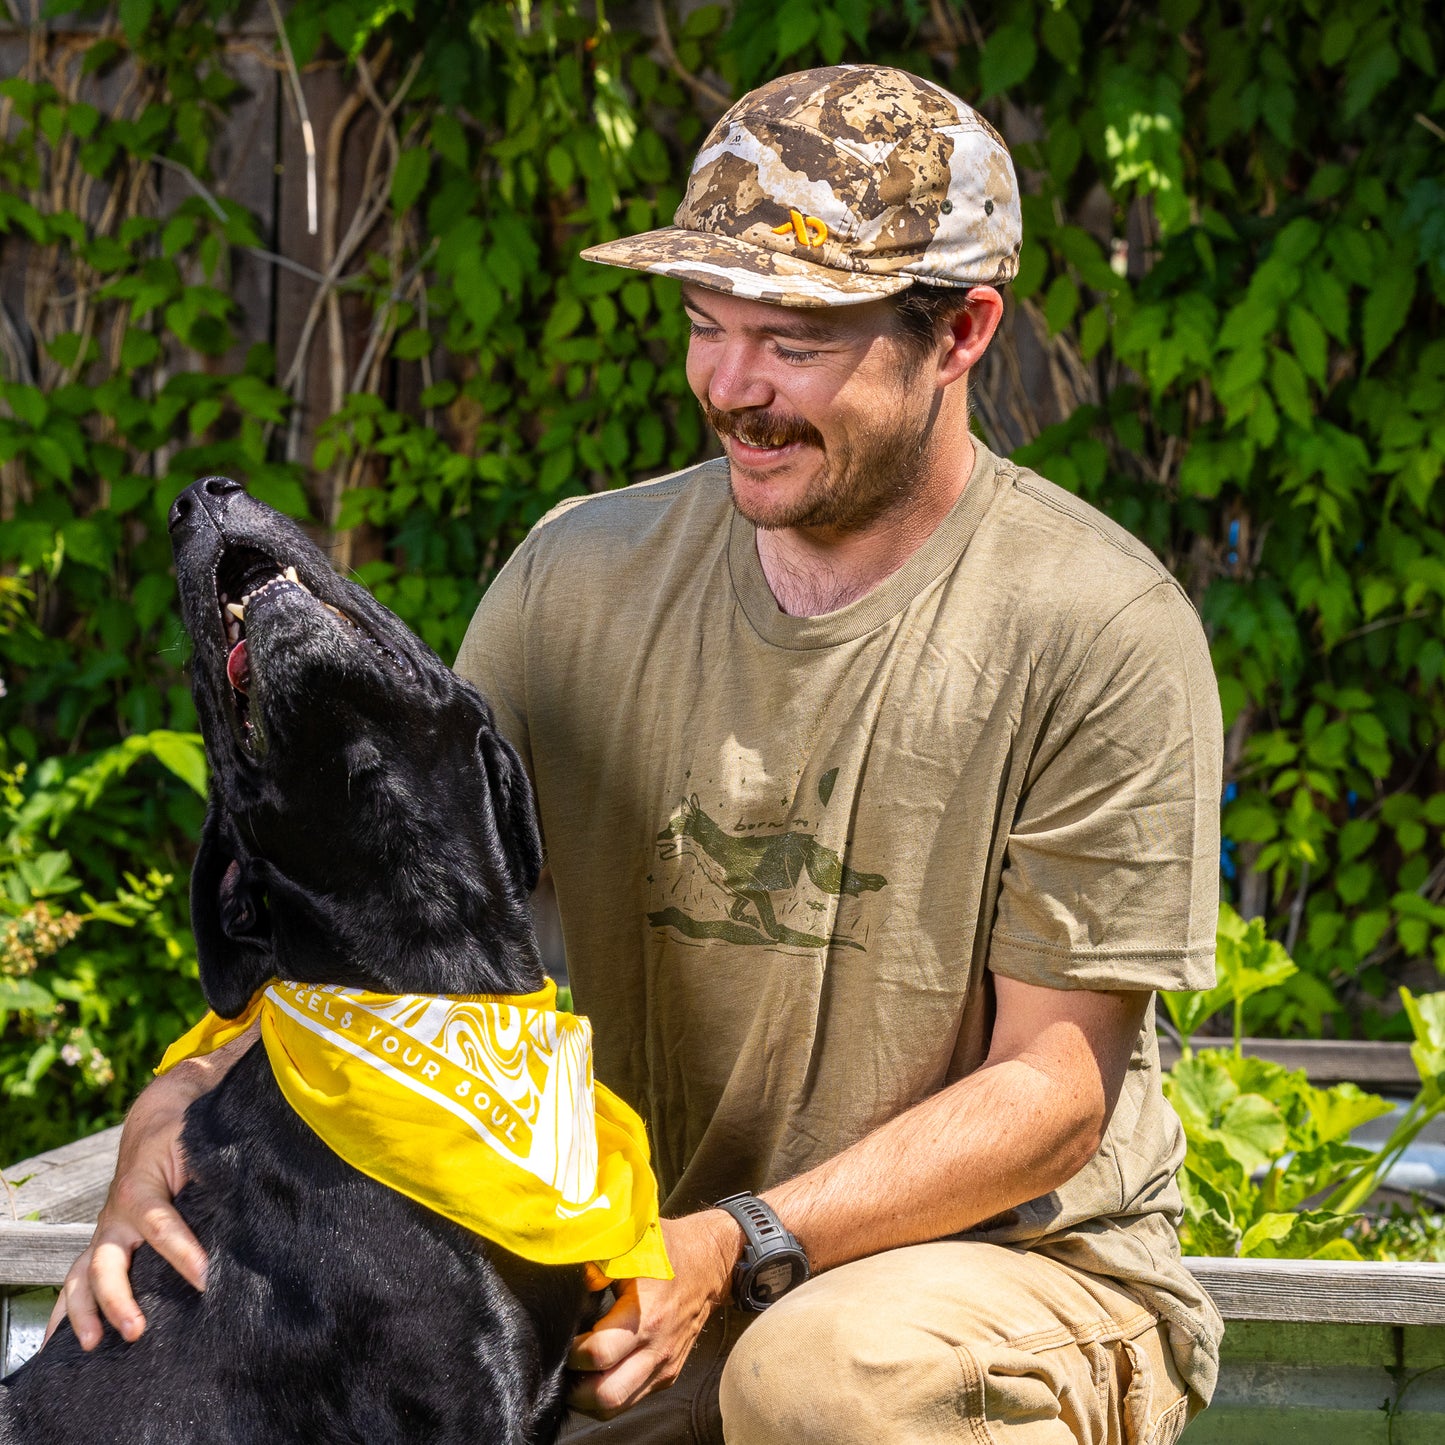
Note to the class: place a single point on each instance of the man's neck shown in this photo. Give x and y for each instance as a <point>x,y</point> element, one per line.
<point>813,570</point>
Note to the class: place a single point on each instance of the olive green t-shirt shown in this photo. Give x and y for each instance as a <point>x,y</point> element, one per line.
<point>789,852</point>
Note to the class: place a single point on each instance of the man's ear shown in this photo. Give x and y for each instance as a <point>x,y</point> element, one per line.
<point>513,808</point>
<point>230,920</point>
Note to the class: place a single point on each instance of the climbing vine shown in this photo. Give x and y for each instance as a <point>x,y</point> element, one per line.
<point>1225,333</point>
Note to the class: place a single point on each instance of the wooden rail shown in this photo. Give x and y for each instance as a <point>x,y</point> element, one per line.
<point>1383,1068</point>
<point>1336,1291</point>
<point>1324,1291</point>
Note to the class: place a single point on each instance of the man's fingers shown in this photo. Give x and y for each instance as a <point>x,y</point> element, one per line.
<point>108,1282</point>
<point>601,1349</point>
<point>169,1235</point>
<point>611,1339</point>
<point>604,1395</point>
<point>62,1302</point>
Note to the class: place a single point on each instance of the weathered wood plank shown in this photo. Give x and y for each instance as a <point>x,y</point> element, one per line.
<point>1383,1067</point>
<point>65,1184</point>
<point>32,1254</point>
<point>1337,1291</point>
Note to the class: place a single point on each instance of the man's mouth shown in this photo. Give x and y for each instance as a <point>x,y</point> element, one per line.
<point>753,454</point>
<point>757,438</point>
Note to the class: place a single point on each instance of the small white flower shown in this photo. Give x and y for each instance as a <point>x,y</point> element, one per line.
<point>70,1054</point>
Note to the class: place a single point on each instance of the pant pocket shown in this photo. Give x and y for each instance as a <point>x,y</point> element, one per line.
<point>1022,1387</point>
<point>1155,1408</point>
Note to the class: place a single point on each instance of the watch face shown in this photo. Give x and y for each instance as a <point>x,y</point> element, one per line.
<point>773,1279</point>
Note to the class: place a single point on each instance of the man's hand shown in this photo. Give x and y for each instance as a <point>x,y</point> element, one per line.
<point>642,1342</point>
<point>149,1173</point>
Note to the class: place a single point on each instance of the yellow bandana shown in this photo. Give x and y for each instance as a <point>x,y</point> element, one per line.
<point>479,1106</point>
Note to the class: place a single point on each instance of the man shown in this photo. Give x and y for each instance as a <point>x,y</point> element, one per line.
<point>879,782</point>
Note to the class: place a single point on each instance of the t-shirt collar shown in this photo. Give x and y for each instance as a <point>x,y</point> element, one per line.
<point>938,553</point>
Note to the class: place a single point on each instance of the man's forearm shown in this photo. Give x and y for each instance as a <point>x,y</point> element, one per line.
<point>980,1146</point>
<point>189,1079</point>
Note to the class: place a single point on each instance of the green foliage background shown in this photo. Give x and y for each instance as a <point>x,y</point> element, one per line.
<point>1232,285</point>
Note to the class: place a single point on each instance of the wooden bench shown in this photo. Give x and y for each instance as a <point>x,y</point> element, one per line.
<point>1323,1353</point>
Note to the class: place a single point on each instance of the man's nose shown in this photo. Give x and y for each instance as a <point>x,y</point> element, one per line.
<point>737,382</point>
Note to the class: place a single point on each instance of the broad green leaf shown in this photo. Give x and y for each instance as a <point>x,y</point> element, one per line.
<point>183,754</point>
<point>1297,1236</point>
<point>1062,38</point>
<point>1248,960</point>
<point>1199,1089</point>
<point>797,24</point>
<point>52,455</point>
<point>135,15</point>
<point>47,874</point>
<point>1426,1013</point>
<point>1061,301</point>
<point>1008,56</point>
<point>1337,1112</point>
<point>23,994</point>
<point>1208,1226</point>
<point>1210,1160</point>
<point>1190,1010</point>
<point>1388,304</point>
<point>1287,381</point>
<point>1252,1129</point>
<point>409,178</point>
<point>1313,1171</point>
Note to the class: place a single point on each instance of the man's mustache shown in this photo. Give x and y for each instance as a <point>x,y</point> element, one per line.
<point>760,428</point>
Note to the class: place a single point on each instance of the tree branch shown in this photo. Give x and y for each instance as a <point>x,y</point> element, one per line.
<point>694,83</point>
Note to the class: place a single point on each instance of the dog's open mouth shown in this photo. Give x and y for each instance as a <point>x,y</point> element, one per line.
<point>243,575</point>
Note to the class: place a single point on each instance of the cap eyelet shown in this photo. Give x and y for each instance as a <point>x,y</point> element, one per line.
<point>946,208</point>
<point>988,208</point>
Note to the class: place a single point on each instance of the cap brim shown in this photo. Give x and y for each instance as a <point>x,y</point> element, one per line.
<point>739,268</point>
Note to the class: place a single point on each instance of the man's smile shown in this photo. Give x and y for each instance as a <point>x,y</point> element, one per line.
<point>756,458</point>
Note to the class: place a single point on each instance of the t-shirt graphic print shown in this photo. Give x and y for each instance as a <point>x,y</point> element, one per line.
<point>764,885</point>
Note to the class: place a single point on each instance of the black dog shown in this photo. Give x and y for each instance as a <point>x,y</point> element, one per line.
<point>367,828</point>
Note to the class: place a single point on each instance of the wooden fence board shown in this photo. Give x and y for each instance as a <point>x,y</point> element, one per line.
<point>1338,1291</point>
<point>32,1254</point>
<point>1381,1067</point>
<point>63,1185</point>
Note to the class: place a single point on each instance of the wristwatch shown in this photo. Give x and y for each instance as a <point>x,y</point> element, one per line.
<point>773,1261</point>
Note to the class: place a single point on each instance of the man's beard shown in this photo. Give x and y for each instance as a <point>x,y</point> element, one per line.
<point>880,469</point>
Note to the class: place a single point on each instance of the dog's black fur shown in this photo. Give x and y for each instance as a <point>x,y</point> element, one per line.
<point>367,827</point>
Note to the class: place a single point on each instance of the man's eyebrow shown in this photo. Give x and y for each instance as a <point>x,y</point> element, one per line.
<point>801,328</point>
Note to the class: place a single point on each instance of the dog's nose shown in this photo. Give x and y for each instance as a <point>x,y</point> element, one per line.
<point>199,494</point>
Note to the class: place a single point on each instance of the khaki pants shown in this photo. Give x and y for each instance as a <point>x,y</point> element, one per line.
<point>951,1341</point>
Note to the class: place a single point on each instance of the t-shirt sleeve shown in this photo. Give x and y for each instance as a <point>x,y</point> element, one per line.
<point>1111,876</point>
<point>493,658</point>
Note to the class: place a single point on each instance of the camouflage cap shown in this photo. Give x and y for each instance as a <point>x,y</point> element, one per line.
<point>839,185</point>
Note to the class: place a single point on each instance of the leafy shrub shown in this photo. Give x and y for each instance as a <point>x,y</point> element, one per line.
<point>96,970</point>
<point>1269,1171</point>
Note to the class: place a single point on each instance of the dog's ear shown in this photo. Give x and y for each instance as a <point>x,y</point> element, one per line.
<point>513,808</point>
<point>230,920</point>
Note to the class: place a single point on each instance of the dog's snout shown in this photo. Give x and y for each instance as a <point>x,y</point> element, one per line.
<point>202,495</point>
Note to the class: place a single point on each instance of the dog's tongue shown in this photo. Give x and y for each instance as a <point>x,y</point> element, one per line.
<point>238,667</point>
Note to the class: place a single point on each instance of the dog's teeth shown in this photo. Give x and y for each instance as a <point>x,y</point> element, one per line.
<point>237,610</point>
<point>336,612</point>
<point>290,576</point>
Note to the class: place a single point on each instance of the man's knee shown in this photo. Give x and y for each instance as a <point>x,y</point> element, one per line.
<point>820,1366</point>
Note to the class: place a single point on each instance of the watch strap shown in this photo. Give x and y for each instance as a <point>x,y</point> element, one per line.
<point>760,1226</point>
